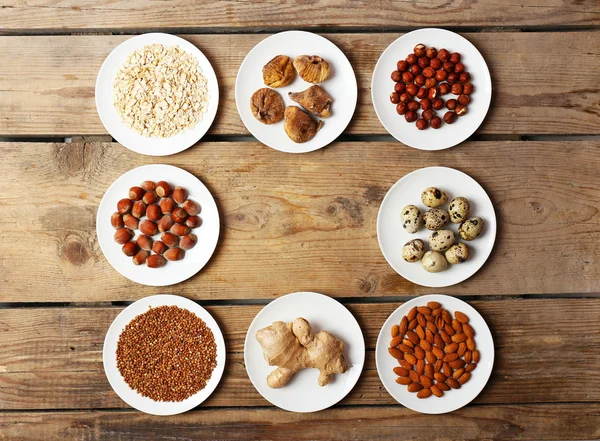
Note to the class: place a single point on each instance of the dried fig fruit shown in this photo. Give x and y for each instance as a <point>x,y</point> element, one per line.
<point>267,106</point>
<point>312,69</point>
<point>279,71</point>
<point>315,100</point>
<point>299,126</point>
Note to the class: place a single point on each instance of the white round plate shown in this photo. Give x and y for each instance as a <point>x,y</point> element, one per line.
<point>172,272</point>
<point>303,393</point>
<point>129,137</point>
<point>392,236</point>
<point>453,399</point>
<point>129,395</point>
<point>341,85</point>
<point>448,135</point>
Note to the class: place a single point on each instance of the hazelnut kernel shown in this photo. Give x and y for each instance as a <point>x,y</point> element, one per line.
<point>441,75</point>
<point>422,124</point>
<point>436,122</point>
<point>401,108</point>
<point>413,106</point>
<point>448,66</point>
<point>451,104</point>
<point>464,99</point>
<point>394,97</point>
<point>422,93</point>
<point>457,89</point>
<point>411,59</point>
<point>412,89</point>
<point>396,76</point>
<point>443,55</point>
<point>428,114</point>
<point>423,62</point>
<point>468,89</point>
<point>136,193</point>
<point>449,117</point>
<point>455,57</point>
<point>437,104</point>
<point>460,110</point>
<point>410,116</point>
<point>435,63</point>
<point>399,88</point>
<point>459,68</point>
<point>408,77</point>
<point>420,50</point>
<point>431,52</point>
<point>425,104</point>
<point>420,80</point>
<point>402,66</point>
<point>415,69</point>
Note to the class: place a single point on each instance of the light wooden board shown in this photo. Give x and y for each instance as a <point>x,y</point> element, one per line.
<point>68,15</point>
<point>299,222</point>
<point>48,86</point>
<point>52,358</point>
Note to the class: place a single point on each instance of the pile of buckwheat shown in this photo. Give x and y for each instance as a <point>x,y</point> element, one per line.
<point>167,354</point>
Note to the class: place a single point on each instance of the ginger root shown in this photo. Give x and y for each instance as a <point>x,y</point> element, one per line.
<point>293,347</point>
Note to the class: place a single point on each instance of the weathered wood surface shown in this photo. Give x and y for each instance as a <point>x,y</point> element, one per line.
<point>52,358</point>
<point>299,222</point>
<point>48,86</point>
<point>66,15</point>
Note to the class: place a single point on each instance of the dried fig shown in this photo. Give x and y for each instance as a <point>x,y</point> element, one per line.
<point>312,69</point>
<point>279,71</point>
<point>299,126</point>
<point>315,100</point>
<point>267,106</point>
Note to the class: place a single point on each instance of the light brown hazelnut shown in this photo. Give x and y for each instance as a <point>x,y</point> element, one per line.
<point>167,205</point>
<point>155,261</point>
<point>130,248</point>
<point>124,206</point>
<point>179,230</point>
<point>164,189</point>
<point>148,185</point>
<point>150,198</point>
<point>123,235</point>
<point>116,220</point>
<point>159,247</point>
<point>148,228</point>
<point>165,223</point>
<point>154,212</point>
<point>179,215</point>
<point>188,241</point>
<point>193,222</point>
<point>144,242</point>
<point>140,257</point>
<point>170,239</point>
<point>131,221</point>
<point>174,254</point>
<point>139,209</point>
<point>192,208</point>
<point>136,193</point>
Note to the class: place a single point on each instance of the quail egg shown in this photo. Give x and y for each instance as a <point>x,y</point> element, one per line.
<point>458,210</point>
<point>471,228</point>
<point>436,218</point>
<point>434,197</point>
<point>413,251</point>
<point>434,262</point>
<point>411,219</point>
<point>457,253</point>
<point>441,240</point>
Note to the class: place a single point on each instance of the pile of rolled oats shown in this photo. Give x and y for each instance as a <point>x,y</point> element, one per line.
<point>160,91</point>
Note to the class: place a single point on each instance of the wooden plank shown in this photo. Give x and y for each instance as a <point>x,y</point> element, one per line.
<point>52,358</point>
<point>68,15</point>
<point>300,222</point>
<point>48,87</point>
<point>523,422</point>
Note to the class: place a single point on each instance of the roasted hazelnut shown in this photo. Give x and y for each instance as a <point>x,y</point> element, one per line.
<point>457,89</point>
<point>465,77</point>
<point>165,223</point>
<point>437,104</point>
<point>429,72</point>
<point>448,66</point>
<point>144,242</point>
<point>412,89</point>
<point>136,193</point>
<point>148,227</point>
<point>420,80</point>
<point>422,93</point>
<point>428,114</point>
<point>413,106</point>
<point>410,116</point>
<point>444,88</point>
<point>455,57</point>
<point>468,89</point>
<point>148,185</point>
<point>406,97</point>
<point>449,117</point>
<point>139,209</point>
<point>402,65</point>
<point>123,235</point>
<point>441,75</point>
<point>164,189</point>
<point>415,69</point>
<point>431,52</point>
<point>452,78</point>
<point>433,93</point>
<point>396,76</point>
<point>130,248</point>
<point>436,122</point>
<point>174,254</point>
<point>408,77</point>
<point>412,59</point>
<point>180,230</point>
<point>425,103</point>
<point>155,261</point>
<point>401,108</point>
<point>140,257</point>
<point>131,221</point>
<point>154,212</point>
<point>399,88</point>
<point>421,124</point>
<point>435,63</point>
<point>460,110</point>
<point>443,55</point>
<point>179,215</point>
<point>124,205</point>
<point>159,247</point>
<point>180,194</point>
<point>459,68</point>
<point>464,99</point>
<point>451,104</point>
<point>150,198</point>
<point>394,97</point>
<point>193,221</point>
<point>188,241</point>
<point>170,239</point>
<point>420,50</point>
<point>116,220</point>
<point>167,205</point>
<point>423,62</point>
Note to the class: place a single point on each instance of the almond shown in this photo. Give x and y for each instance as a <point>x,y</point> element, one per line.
<point>425,345</point>
<point>395,330</point>
<point>429,336</point>
<point>457,325</point>
<point>447,317</point>
<point>446,369</point>
<point>414,387</point>
<point>412,325</point>
<point>468,356</point>
<point>453,383</point>
<point>476,355</point>
<point>433,305</point>
<point>429,371</point>
<point>424,310</point>
<point>437,312</point>
<point>439,377</point>
<point>449,329</point>
<point>403,347</point>
<point>464,378</point>
<point>425,381</point>
<point>395,341</point>
<point>439,354</point>
<point>443,386</point>
<point>457,373</point>
<point>413,337</point>
<point>457,338</point>
<point>407,342</point>
<point>403,380</point>
<point>438,366</point>
<point>412,313</point>
<point>435,390</point>
<point>457,364</point>
<point>420,367</point>
<point>400,371</point>
<point>452,347</point>
<point>420,332</point>
<point>405,364</point>
<point>432,327</point>
<point>419,352</point>
<point>468,329</point>
<point>461,317</point>
<point>462,348</point>
<point>408,357</point>
<point>396,353</point>
<point>403,326</point>
<point>470,367</point>
<point>439,322</point>
<point>431,359</point>
<point>450,357</point>
<point>471,344</point>
<point>439,342</point>
<point>421,320</point>
<point>414,376</point>
<point>424,393</point>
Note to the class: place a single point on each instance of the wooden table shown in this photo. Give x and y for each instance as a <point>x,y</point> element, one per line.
<point>302,222</point>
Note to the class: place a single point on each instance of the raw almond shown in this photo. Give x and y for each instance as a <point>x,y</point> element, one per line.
<point>414,376</point>
<point>424,310</point>
<point>476,355</point>
<point>407,342</point>
<point>413,337</point>
<point>461,317</point>
<point>449,329</point>
<point>429,371</point>
<point>439,377</point>
<point>462,348</point>
<point>452,347</point>
<point>433,305</point>
<point>412,325</point>
<point>457,364</point>
<point>468,356</point>
<point>400,371</point>
<point>450,357</point>
<point>471,344</point>
<point>412,313</point>
<point>394,352</point>
<point>431,359</point>
<point>443,386</point>
<point>425,345</point>
<point>395,331</point>
<point>470,367</point>
<point>396,341</point>
<point>437,338</point>
<point>464,378</point>
<point>414,387</point>
<point>432,327</point>
<point>457,373</point>
<point>468,329</point>
<point>446,369</point>
<point>404,348</point>
<point>409,357</point>
<point>425,381</point>
<point>437,312</point>
<point>421,320</point>
<point>447,317</point>
<point>405,364</point>
<point>424,393</point>
<point>435,390</point>
<point>457,325</point>
<point>453,383</point>
<point>403,326</point>
<point>420,332</point>
<point>429,336</point>
<point>438,366</point>
<point>447,339</point>
<point>457,338</point>
<point>439,354</point>
<point>420,367</point>
<point>403,380</point>
<point>419,352</point>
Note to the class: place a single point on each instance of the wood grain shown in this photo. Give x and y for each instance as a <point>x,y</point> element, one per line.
<point>52,358</point>
<point>68,15</point>
<point>523,422</point>
<point>48,87</point>
<point>299,222</point>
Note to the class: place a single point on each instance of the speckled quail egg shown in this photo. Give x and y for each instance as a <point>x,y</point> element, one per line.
<point>434,197</point>
<point>411,219</point>
<point>436,218</point>
<point>457,253</point>
<point>458,210</point>
<point>434,262</point>
<point>413,251</point>
<point>441,240</point>
<point>471,228</point>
